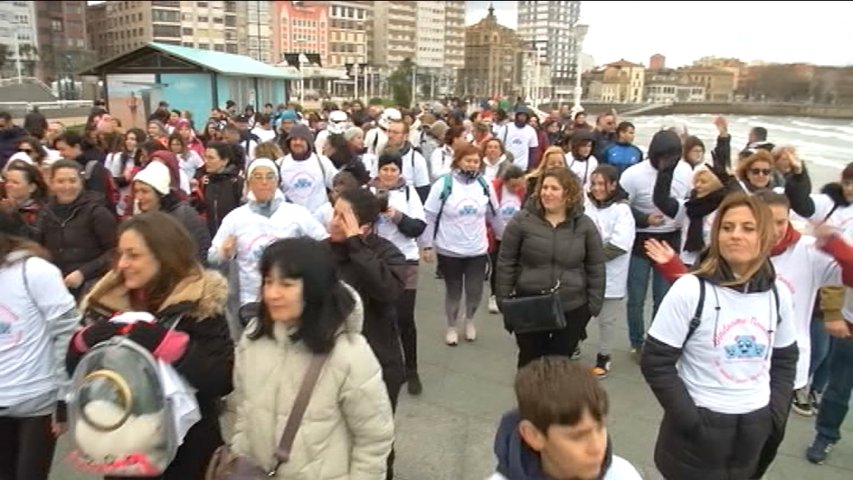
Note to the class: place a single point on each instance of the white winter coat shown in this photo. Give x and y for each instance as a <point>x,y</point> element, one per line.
<point>348,428</point>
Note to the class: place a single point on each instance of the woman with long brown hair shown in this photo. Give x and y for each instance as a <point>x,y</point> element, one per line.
<point>721,354</point>
<point>156,271</point>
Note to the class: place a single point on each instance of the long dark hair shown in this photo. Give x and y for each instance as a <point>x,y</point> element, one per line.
<point>172,246</point>
<point>13,238</point>
<point>326,301</point>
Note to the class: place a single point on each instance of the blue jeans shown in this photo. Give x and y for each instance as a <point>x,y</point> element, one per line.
<point>836,398</point>
<point>638,284</point>
<point>819,363</point>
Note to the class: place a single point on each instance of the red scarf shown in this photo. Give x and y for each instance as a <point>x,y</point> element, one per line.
<point>791,237</point>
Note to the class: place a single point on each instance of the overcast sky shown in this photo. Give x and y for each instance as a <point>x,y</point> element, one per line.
<point>815,32</point>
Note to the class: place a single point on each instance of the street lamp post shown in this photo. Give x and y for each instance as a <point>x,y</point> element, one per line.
<point>302,61</point>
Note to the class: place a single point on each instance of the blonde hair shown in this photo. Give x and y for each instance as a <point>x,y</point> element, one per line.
<point>269,150</point>
<point>712,264</point>
<point>704,171</point>
<point>540,169</point>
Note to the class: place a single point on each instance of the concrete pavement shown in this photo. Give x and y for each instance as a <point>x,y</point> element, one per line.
<point>447,432</point>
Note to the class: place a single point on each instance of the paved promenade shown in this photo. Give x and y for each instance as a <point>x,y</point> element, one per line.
<point>447,433</point>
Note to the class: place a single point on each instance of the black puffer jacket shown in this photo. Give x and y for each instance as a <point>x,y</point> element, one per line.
<point>376,268</point>
<point>534,255</point>
<point>220,193</point>
<point>79,236</point>
<point>190,219</point>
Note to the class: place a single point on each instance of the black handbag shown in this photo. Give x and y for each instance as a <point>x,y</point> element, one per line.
<point>534,313</point>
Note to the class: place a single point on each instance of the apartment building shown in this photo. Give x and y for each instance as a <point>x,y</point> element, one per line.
<point>552,28</point>
<point>120,26</point>
<point>300,27</point>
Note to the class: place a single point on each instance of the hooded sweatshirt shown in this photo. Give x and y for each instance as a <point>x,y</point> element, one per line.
<point>305,178</point>
<point>517,461</point>
<point>255,226</point>
<point>35,331</point>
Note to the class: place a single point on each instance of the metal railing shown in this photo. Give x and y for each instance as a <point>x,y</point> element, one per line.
<point>56,105</point>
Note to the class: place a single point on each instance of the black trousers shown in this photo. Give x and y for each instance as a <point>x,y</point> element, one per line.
<point>408,329</point>
<point>493,271</point>
<point>553,342</point>
<point>26,448</point>
<point>393,387</point>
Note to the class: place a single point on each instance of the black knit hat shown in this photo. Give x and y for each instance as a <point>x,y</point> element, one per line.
<point>387,158</point>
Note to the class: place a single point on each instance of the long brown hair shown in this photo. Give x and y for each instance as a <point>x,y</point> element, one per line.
<point>712,264</point>
<point>172,246</point>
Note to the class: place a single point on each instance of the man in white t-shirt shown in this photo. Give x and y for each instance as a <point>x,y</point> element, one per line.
<point>535,441</point>
<point>415,168</point>
<point>520,139</point>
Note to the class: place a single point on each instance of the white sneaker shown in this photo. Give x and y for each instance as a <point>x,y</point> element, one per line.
<point>451,338</point>
<point>493,305</point>
<point>470,331</point>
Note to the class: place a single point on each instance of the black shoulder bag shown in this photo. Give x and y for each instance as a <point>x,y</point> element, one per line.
<point>534,313</point>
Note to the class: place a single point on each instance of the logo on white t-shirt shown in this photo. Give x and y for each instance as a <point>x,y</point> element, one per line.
<point>468,211</point>
<point>10,337</point>
<point>744,344</point>
<point>255,248</point>
<point>300,186</point>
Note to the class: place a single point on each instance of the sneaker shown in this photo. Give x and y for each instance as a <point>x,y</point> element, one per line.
<point>602,366</point>
<point>493,305</point>
<point>451,338</point>
<point>576,355</point>
<point>470,331</point>
<point>413,383</point>
<point>819,450</point>
<point>801,403</point>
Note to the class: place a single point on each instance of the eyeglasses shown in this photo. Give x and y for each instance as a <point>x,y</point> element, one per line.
<point>760,171</point>
<point>270,177</point>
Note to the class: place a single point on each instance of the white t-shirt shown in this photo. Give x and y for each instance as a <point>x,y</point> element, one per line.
<point>491,171</point>
<point>615,224</point>
<point>638,181</point>
<point>462,228</point>
<point>263,134</point>
<point>410,205</point>
<point>842,219</point>
<point>190,162</point>
<point>725,365</point>
<point>305,182</point>
<point>519,141</point>
<point>254,232</point>
<point>439,163</point>
<point>582,169</point>
<point>510,204</point>
<point>375,140</point>
<point>803,269</point>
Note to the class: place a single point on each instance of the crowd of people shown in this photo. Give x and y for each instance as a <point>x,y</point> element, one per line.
<point>278,253</point>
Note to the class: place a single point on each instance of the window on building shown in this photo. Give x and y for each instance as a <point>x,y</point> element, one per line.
<point>186,31</point>
<point>166,31</point>
<point>202,19</point>
<point>219,47</point>
<point>230,21</point>
<point>217,20</point>
<point>231,48</point>
<point>188,44</point>
<point>201,4</point>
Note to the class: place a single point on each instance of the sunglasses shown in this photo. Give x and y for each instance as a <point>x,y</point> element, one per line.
<point>760,171</point>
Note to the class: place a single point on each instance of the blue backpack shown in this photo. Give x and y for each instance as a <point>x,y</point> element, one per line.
<point>447,189</point>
